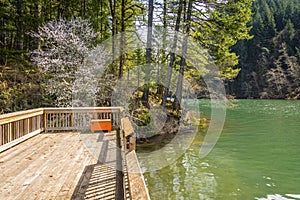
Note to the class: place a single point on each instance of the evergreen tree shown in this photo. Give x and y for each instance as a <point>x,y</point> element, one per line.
<point>275,25</point>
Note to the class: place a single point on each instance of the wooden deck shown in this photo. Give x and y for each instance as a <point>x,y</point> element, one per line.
<point>60,166</point>
<point>68,165</point>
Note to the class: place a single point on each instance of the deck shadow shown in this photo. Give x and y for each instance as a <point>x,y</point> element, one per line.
<point>97,181</point>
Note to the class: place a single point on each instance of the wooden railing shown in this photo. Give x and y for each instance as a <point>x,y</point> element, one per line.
<point>19,126</point>
<point>137,186</point>
<point>66,119</point>
<point>128,134</point>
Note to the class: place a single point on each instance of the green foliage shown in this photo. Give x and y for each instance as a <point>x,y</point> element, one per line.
<point>275,24</point>
<point>19,88</point>
<point>226,24</point>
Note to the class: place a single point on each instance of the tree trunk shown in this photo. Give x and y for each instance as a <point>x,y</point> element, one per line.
<point>84,8</point>
<point>163,53</point>
<point>122,42</point>
<point>101,21</point>
<point>112,4</point>
<point>20,27</point>
<point>172,56</point>
<point>37,15</point>
<point>148,53</point>
<point>50,10</point>
<point>183,60</point>
<point>163,57</point>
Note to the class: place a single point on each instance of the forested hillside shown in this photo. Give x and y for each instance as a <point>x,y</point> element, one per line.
<point>36,71</point>
<point>266,60</point>
<point>270,61</point>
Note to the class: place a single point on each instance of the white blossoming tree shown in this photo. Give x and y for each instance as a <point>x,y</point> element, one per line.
<point>64,47</point>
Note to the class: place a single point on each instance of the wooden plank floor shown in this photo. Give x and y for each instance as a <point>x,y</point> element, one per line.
<point>60,166</point>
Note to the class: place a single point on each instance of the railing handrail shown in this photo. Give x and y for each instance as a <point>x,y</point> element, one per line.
<point>23,112</point>
<point>84,108</point>
<point>16,116</point>
<point>19,115</point>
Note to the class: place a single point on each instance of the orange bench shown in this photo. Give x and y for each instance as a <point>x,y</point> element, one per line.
<point>101,125</point>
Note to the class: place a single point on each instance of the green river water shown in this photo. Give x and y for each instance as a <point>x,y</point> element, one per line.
<point>256,157</point>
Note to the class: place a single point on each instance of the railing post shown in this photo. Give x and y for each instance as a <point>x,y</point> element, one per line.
<point>72,119</point>
<point>1,135</point>
<point>45,120</point>
<point>28,125</point>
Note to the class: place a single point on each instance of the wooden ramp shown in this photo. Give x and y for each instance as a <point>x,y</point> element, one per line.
<point>60,166</point>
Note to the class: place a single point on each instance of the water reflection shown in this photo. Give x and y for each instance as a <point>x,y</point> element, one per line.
<point>186,181</point>
<point>257,157</point>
